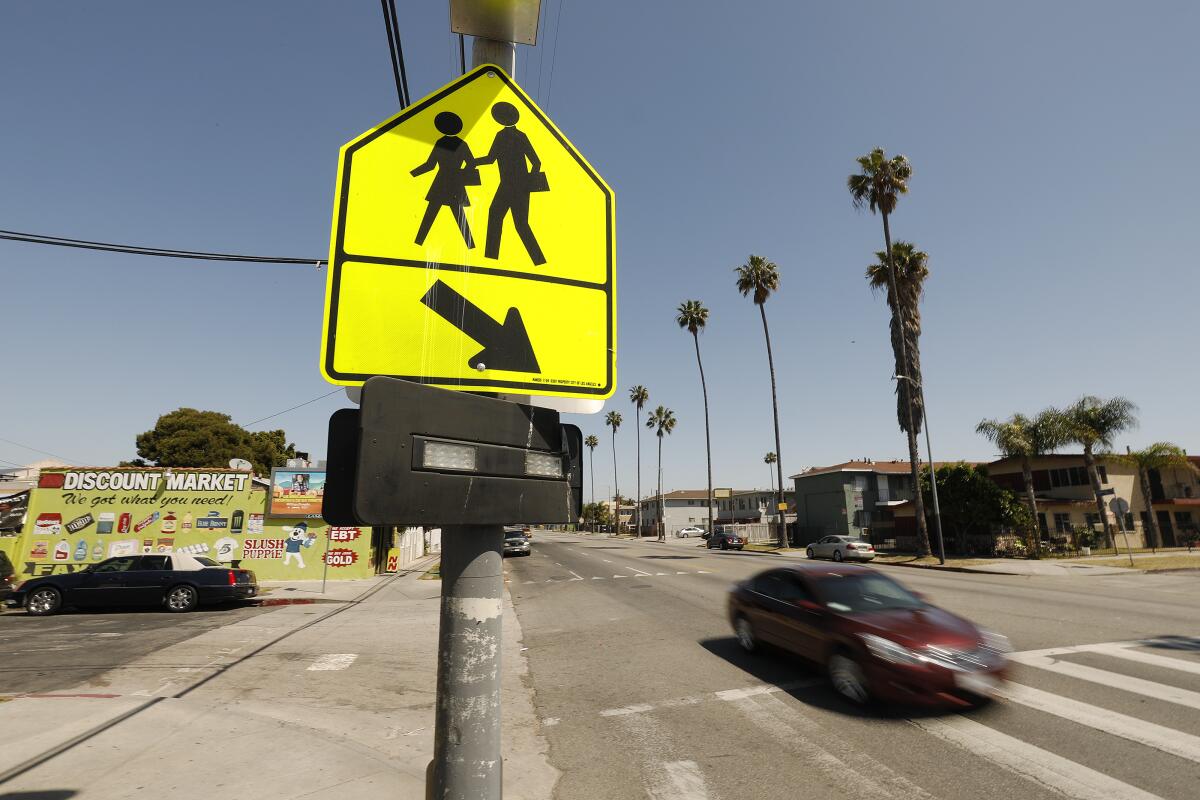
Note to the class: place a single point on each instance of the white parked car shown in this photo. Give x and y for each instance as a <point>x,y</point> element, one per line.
<point>691,530</point>
<point>842,548</point>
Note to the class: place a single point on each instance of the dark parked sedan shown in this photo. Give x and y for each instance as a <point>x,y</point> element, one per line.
<point>725,541</point>
<point>175,582</point>
<point>875,638</point>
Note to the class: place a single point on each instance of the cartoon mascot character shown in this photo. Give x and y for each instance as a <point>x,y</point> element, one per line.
<point>298,536</point>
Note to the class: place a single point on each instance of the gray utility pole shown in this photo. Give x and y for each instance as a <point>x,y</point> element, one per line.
<point>937,512</point>
<point>467,762</point>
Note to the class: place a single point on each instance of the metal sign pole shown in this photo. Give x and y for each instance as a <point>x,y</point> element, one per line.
<point>325,558</point>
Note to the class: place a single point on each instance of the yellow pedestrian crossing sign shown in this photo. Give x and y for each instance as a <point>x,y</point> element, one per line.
<point>472,248</point>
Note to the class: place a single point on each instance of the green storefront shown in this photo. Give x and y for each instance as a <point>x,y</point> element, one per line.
<point>78,517</point>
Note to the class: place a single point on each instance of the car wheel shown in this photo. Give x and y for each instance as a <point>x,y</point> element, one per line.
<point>43,601</point>
<point>745,634</point>
<point>848,678</point>
<point>181,599</point>
<point>837,555</point>
<point>809,552</point>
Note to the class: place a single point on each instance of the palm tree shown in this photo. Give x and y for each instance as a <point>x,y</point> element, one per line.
<point>694,316</point>
<point>662,421</point>
<point>904,300</point>
<point>638,395</point>
<point>1158,456</point>
<point>1089,422</point>
<point>591,441</point>
<point>878,186</point>
<point>613,420</point>
<point>1024,438</point>
<point>769,459</point>
<point>760,277</point>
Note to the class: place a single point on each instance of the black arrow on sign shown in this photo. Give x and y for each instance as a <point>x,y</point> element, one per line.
<point>505,347</point>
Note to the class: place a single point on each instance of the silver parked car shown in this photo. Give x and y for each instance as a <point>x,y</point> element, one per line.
<point>842,548</point>
<point>516,543</point>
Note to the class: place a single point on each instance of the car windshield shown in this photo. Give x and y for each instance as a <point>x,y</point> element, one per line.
<point>855,593</point>
<point>514,535</point>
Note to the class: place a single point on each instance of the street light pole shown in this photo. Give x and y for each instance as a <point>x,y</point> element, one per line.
<point>937,512</point>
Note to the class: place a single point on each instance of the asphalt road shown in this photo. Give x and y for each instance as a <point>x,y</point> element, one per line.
<point>47,654</point>
<point>643,692</point>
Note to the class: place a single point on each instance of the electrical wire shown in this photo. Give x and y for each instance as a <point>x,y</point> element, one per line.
<point>293,408</point>
<point>395,50</point>
<point>400,53</point>
<point>36,450</point>
<point>554,52</point>
<point>84,244</point>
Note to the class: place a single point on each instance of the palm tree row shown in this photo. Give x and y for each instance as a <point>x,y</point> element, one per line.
<point>1091,423</point>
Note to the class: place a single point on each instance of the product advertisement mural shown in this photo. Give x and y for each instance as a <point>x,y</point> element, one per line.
<point>80,517</point>
<point>296,493</point>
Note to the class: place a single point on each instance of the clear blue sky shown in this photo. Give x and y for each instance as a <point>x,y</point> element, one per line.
<point>1054,189</point>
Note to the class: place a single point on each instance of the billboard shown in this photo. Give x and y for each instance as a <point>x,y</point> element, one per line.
<point>296,493</point>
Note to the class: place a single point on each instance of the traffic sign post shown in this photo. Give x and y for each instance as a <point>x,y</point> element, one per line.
<point>473,248</point>
<point>1120,507</point>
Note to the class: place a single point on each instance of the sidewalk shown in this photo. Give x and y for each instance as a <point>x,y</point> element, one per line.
<point>322,702</point>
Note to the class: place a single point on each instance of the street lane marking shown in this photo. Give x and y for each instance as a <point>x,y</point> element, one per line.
<point>635,569</point>
<point>1040,766</point>
<point>608,561</point>
<point>684,782</point>
<point>332,661</point>
<point>725,695</point>
<point>816,745</point>
<point>1114,680</point>
<point>620,576</point>
<point>1177,743</point>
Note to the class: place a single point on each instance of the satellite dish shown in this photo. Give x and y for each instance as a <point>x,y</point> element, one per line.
<point>240,463</point>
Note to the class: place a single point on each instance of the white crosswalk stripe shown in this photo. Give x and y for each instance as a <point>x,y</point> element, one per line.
<point>1115,680</point>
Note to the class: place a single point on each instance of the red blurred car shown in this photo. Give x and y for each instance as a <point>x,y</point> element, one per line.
<point>876,639</point>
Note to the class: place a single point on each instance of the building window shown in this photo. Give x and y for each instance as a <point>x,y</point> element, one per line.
<point>1129,521</point>
<point>1042,523</point>
<point>1091,520</point>
<point>1145,520</point>
<point>1074,476</point>
<point>1062,523</point>
<point>1103,471</point>
<point>1183,518</point>
<point>691,502</point>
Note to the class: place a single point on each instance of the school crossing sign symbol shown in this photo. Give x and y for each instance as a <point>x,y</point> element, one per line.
<point>473,248</point>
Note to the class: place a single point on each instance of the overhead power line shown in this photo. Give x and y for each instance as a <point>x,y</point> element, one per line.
<point>396,50</point>
<point>36,450</point>
<point>293,408</point>
<point>84,244</point>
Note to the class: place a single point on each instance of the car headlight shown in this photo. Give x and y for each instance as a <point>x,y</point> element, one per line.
<point>996,642</point>
<point>889,651</point>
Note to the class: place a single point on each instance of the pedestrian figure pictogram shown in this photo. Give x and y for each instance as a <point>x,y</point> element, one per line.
<point>455,172</point>
<point>510,151</point>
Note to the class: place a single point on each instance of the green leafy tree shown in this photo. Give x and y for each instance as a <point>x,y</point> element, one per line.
<point>1158,456</point>
<point>878,186</point>
<point>638,395</point>
<point>596,514</point>
<point>1093,423</point>
<point>613,420</point>
<point>971,502</point>
<point>1024,438</point>
<point>758,278</point>
<point>187,437</point>
<point>662,422</point>
<point>591,441</point>
<point>693,316</point>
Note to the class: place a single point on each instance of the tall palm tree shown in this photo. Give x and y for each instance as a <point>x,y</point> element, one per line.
<point>613,420</point>
<point>662,422</point>
<point>908,267</point>
<point>638,395</point>
<point>1023,438</point>
<point>692,315</point>
<point>591,441</point>
<point>1158,456</point>
<point>759,277</point>
<point>1093,422</point>
<point>769,459</point>
<point>878,186</point>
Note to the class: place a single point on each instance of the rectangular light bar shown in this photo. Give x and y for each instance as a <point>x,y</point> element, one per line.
<point>442,455</point>
<point>543,465</point>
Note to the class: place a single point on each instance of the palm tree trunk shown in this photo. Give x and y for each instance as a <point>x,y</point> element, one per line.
<point>1152,524</point>
<point>638,433</point>
<point>616,488</point>
<point>783,537</point>
<point>662,504</point>
<point>707,438</point>
<point>593,455</point>
<point>906,389</point>
<point>1089,460</point>
<point>1027,474</point>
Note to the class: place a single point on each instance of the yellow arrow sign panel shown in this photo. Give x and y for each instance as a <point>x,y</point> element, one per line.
<point>473,248</point>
